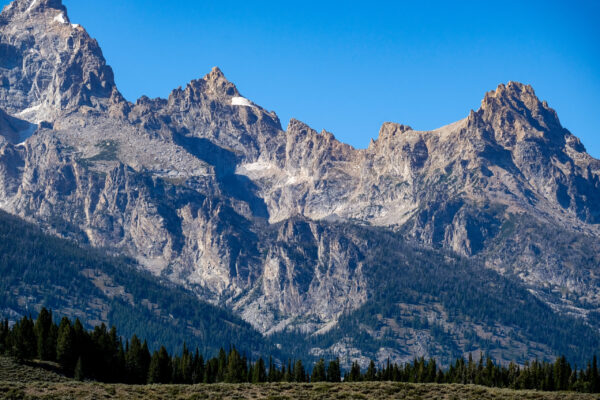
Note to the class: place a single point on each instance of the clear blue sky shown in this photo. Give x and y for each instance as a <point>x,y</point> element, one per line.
<point>349,66</point>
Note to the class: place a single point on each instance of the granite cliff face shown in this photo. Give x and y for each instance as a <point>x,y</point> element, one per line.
<point>50,65</point>
<point>207,189</point>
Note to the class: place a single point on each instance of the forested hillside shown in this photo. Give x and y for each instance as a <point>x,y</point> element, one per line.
<point>102,355</point>
<point>41,270</point>
<point>430,302</point>
<point>434,302</point>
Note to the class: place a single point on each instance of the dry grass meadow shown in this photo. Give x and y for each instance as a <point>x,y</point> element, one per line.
<point>33,382</point>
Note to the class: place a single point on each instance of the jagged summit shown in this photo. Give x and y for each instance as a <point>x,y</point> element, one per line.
<point>299,126</point>
<point>215,74</point>
<point>218,84</point>
<point>26,6</point>
<point>213,85</point>
<point>509,95</point>
<point>50,66</point>
<point>27,9</point>
<point>517,104</point>
<point>390,130</point>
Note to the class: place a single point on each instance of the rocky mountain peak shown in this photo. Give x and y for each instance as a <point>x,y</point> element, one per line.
<point>215,74</point>
<point>49,66</point>
<point>514,95</point>
<point>515,109</point>
<point>393,129</point>
<point>28,8</point>
<point>388,132</point>
<point>213,85</point>
<point>217,84</point>
<point>299,128</point>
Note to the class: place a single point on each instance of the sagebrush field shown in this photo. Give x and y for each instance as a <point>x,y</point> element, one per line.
<point>39,381</point>
<point>281,391</point>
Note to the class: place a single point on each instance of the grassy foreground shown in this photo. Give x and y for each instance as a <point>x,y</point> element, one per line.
<point>41,381</point>
<point>366,390</point>
<point>10,371</point>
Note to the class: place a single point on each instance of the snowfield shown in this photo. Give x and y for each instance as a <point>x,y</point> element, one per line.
<point>241,101</point>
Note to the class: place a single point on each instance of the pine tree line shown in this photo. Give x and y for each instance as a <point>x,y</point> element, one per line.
<point>100,354</point>
<point>556,376</point>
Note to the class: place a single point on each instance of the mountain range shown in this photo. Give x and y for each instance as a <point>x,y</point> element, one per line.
<point>480,236</point>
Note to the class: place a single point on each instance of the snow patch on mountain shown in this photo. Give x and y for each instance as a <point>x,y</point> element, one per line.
<point>258,166</point>
<point>60,18</point>
<point>241,101</point>
<point>29,110</point>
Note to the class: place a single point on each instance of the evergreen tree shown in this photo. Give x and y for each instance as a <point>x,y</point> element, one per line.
<point>250,373</point>
<point>355,375</point>
<point>211,370</point>
<point>562,374</point>
<point>594,379</point>
<point>120,369</point>
<point>160,369</point>
<point>78,373</point>
<point>334,373</point>
<point>222,363</point>
<point>4,337</point>
<point>182,366</point>
<point>431,371</point>
<point>80,337</point>
<point>46,339</point>
<point>24,340</point>
<point>117,359</point>
<point>65,345</point>
<point>318,372</point>
<point>236,368</point>
<point>145,360</point>
<point>273,375</point>
<point>259,372</point>
<point>286,373</point>
<point>371,372</point>
<point>299,373</point>
<point>198,369</point>
<point>471,371</point>
<point>136,361</point>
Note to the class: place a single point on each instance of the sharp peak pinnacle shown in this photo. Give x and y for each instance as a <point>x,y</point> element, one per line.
<point>514,87</point>
<point>511,91</point>
<point>217,78</point>
<point>215,74</point>
<point>513,94</point>
<point>392,129</point>
<point>27,6</point>
<point>296,124</point>
<point>401,128</point>
<point>518,99</point>
<point>215,82</point>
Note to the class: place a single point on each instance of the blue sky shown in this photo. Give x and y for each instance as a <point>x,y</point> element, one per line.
<point>349,66</point>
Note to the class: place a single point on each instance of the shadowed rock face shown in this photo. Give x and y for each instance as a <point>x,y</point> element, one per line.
<point>207,189</point>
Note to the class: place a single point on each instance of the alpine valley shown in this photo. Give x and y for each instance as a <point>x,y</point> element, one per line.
<point>480,236</point>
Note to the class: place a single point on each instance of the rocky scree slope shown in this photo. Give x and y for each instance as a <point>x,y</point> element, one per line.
<point>206,189</point>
